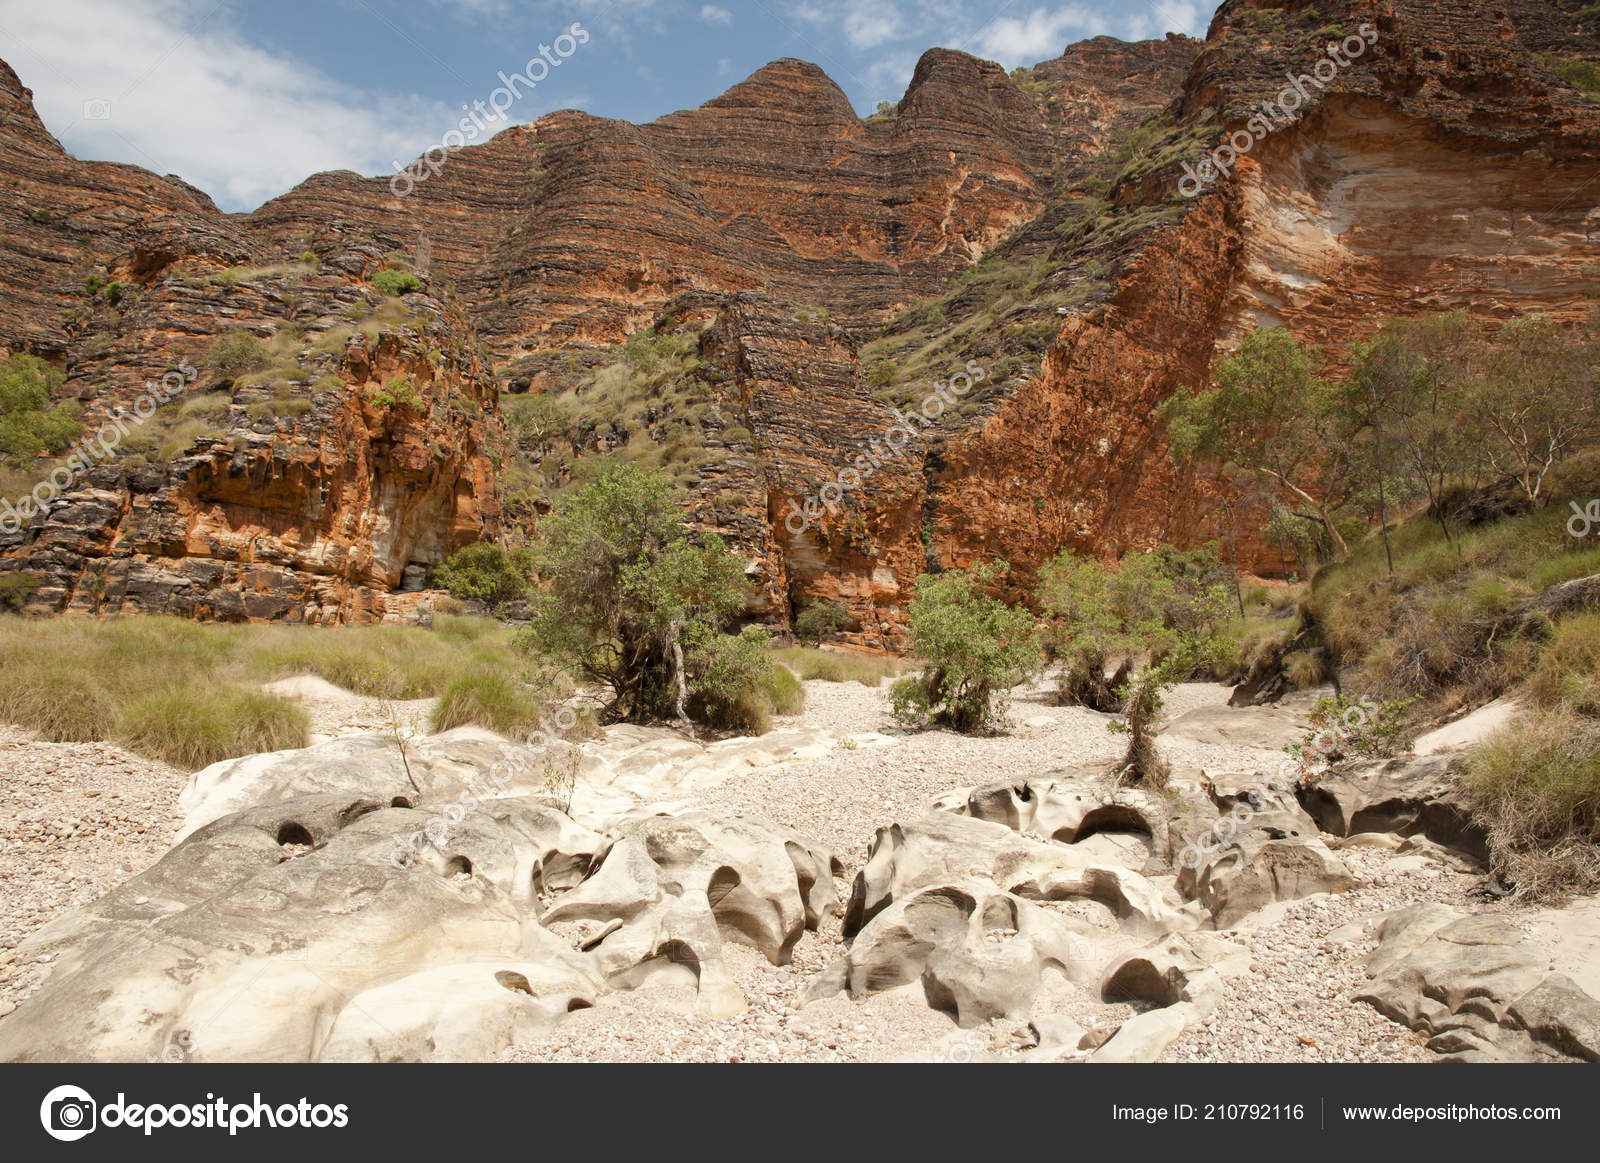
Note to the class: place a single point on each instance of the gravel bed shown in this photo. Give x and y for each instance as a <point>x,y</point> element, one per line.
<point>76,820</point>
<point>1297,1002</point>
<point>844,798</point>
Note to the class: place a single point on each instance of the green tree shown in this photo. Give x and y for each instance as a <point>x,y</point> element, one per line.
<point>537,417</point>
<point>821,619</point>
<point>486,573</point>
<point>1417,374</point>
<point>1449,409</point>
<point>1273,414</point>
<point>976,648</point>
<point>29,423</point>
<point>1537,400</point>
<point>631,601</point>
<point>1288,531</point>
<point>1085,630</point>
<point>1161,604</point>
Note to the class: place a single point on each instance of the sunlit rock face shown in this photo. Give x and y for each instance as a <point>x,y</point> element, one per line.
<point>1442,167</point>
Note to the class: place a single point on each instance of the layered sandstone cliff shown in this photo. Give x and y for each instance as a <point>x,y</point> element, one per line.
<point>829,273</point>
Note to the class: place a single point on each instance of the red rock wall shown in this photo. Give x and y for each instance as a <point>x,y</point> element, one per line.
<point>1447,169</point>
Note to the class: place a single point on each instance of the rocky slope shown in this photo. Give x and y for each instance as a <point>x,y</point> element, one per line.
<point>828,271</point>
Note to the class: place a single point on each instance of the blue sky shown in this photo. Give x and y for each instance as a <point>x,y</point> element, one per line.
<point>246,99</point>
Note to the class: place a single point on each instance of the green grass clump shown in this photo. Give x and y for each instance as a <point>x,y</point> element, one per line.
<point>747,713</point>
<point>1566,567</point>
<point>159,686</point>
<point>388,662</point>
<point>194,726</point>
<point>1438,628</point>
<point>498,702</point>
<point>837,666</point>
<point>278,409</point>
<point>55,698</point>
<point>1568,675</point>
<point>237,353</point>
<point>190,694</point>
<point>182,437</point>
<point>647,406</point>
<point>783,692</point>
<point>459,628</point>
<point>1536,787</point>
<point>1580,74</point>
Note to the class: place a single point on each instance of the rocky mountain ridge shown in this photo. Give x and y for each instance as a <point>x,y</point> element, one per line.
<point>829,273</point>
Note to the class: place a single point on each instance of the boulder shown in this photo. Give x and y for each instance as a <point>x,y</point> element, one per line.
<point>245,944</point>
<point>979,953</point>
<point>1057,1032</point>
<point>676,941</point>
<point>939,848</point>
<point>467,760</point>
<point>1471,728</point>
<point>764,884</point>
<point>1259,850</point>
<point>632,773</point>
<point>1479,987</point>
<point>1558,1014</point>
<point>1145,1038</point>
<point>313,928</point>
<point>1408,796</point>
<point>1265,728</point>
<point>1177,968</point>
<point>1068,807</point>
<point>463,1013</point>
<point>1182,975</point>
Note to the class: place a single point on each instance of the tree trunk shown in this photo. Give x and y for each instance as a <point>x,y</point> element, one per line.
<point>1383,504</point>
<point>680,685</point>
<point>1339,545</point>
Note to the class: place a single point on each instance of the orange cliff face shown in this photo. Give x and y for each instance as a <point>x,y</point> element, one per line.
<point>293,492</point>
<point>1451,170</point>
<point>1447,168</point>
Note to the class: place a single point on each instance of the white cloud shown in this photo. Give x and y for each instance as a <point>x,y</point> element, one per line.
<point>1039,35</point>
<point>811,14</point>
<point>889,75</point>
<point>1180,16</point>
<point>870,24</point>
<point>1016,36</point>
<point>1167,16</point>
<point>865,23</point>
<point>188,95</point>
